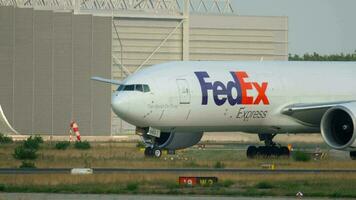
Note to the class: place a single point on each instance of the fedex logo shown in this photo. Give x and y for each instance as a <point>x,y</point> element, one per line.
<point>223,93</point>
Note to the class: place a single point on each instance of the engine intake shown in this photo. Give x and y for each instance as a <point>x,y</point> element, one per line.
<point>338,126</point>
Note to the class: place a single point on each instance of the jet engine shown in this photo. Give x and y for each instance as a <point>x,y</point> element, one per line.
<point>338,126</point>
<point>178,140</point>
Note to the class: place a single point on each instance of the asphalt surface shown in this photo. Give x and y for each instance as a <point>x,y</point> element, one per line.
<point>47,196</point>
<point>174,170</point>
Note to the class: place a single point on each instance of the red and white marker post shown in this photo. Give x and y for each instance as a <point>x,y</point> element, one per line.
<point>74,128</point>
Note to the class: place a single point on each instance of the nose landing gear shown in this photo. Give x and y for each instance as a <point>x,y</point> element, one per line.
<point>270,148</point>
<point>152,149</point>
<point>153,152</point>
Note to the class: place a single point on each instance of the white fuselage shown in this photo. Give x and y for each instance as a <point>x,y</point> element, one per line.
<point>251,103</point>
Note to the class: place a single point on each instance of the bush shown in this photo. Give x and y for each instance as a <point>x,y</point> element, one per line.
<point>2,187</point>
<point>172,185</point>
<point>5,139</point>
<point>264,185</point>
<point>301,156</point>
<point>62,145</point>
<point>38,139</point>
<point>227,183</point>
<point>27,164</point>
<point>132,186</point>
<point>219,165</point>
<point>82,145</point>
<point>23,153</point>
<point>33,142</point>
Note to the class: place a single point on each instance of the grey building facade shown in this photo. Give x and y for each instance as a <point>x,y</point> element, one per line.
<point>49,51</point>
<point>46,61</point>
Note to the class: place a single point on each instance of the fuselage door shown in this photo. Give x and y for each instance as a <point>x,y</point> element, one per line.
<point>184,91</point>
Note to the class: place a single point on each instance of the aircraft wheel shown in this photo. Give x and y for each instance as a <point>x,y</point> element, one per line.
<point>265,151</point>
<point>353,155</point>
<point>157,152</point>
<point>275,151</point>
<point>285,151</point>
<point>148,152</point>
<point>251,152</point>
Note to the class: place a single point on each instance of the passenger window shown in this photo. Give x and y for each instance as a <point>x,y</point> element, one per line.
<point>146,88</point>
<point>129,88</point>
<point>139,88</point>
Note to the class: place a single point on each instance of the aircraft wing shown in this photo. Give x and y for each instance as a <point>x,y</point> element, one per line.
<point>309,114</point>
<point>104,80</point>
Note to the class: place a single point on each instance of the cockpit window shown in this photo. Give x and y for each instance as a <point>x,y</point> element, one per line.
<point>120,88</point>
<point>129,88</point>
<point>134,87</point>
<point>139,88</point>
<point>146,88</point>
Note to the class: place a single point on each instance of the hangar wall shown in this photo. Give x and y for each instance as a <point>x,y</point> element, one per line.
<point>211,37</point>
<point>238,38</point>
<point>46,61</point>
<point>48,56</point>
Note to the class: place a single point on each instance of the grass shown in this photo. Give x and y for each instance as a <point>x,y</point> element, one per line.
<point>219,165</point>
<point>132,186</point>
<point>82,145</point>
<point>4,139</point>
<point>62,145</point>
<point>27,164</point>
<point>127,155</point>
<point>326,185</point>
<point>301,156</point>
<point>264,185</point>
<point>110,154</point>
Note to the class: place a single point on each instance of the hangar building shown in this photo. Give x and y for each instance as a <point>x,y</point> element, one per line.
<point>49,49</point>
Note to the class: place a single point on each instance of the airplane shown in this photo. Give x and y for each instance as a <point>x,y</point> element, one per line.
<point>173,104</point>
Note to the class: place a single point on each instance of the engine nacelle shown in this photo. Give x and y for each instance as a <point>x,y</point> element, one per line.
<point>338,126</point>
<point>178,140</point>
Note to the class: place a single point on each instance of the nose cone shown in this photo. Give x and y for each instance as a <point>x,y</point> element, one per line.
<point>129,106</point>
<point>120,105</point>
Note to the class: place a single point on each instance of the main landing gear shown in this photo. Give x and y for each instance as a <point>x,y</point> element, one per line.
<point>270,148</point>
<point>353,155</point>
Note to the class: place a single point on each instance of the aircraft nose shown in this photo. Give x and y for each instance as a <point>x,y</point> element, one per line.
<point>120,104</point>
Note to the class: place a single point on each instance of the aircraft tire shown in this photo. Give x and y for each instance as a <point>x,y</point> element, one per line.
<point>148,152</point>
<point>264,151</point>
<point>267,151</point>
<point>157,152</point>
<point>353,155</point>
<point>251,151</point>
<point>275,151</point>
<point>285,151</point>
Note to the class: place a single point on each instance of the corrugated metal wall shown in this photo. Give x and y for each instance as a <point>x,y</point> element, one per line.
<point>43,72</point>
<point>48,57</point>
<point>140,38</point>
<point>46,61</point>
<point>238,38</point>
<point>23,65</point>
<point>211,37</point>
<point>6,60</point>
<point>101,93</point>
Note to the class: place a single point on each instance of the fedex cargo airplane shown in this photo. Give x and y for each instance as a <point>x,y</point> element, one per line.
<point>173,104</point>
